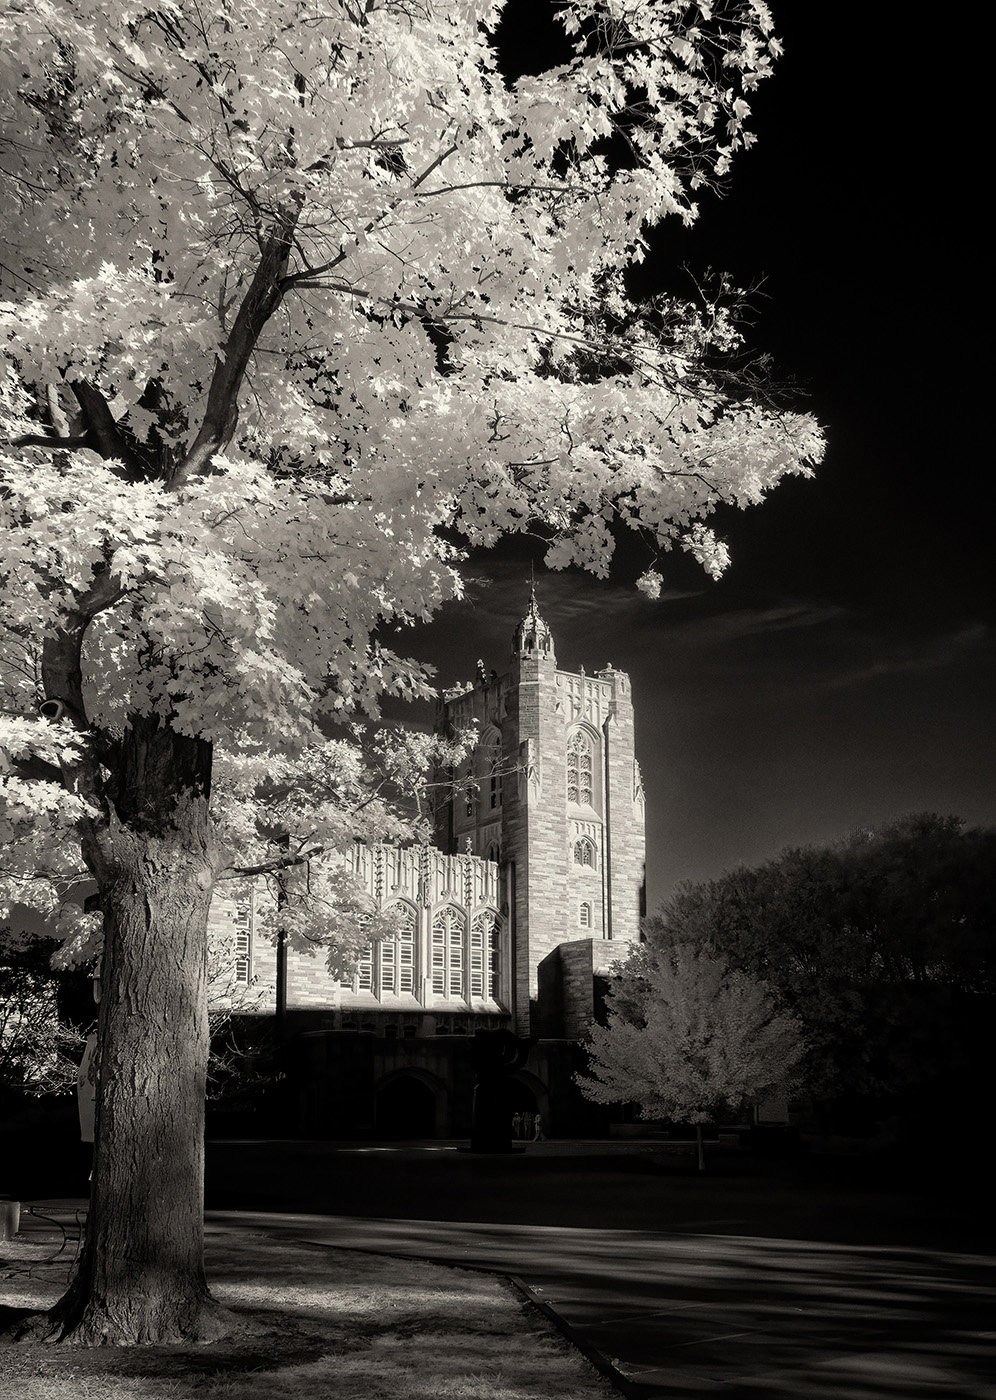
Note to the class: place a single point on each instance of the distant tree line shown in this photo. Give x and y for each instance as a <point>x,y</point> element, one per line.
<point>879,947</point>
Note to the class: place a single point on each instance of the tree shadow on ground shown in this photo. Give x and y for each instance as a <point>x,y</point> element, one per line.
<point>313,1322</point>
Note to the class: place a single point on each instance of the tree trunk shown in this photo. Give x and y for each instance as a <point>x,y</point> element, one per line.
<point>140,1279</point>
<point>700,1146</point>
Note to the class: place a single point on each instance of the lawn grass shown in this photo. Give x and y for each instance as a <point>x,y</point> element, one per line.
<point>318,1324</point>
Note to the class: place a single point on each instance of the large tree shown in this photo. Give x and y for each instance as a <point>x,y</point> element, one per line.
<point>300,294</point>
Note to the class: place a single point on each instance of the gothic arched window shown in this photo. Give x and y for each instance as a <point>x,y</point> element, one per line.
<point>580,769</point>
<point>397,955</point>
<point>484,935</point>
<point>449,929</point>
<point>584,852</point>
<point>584,916</point>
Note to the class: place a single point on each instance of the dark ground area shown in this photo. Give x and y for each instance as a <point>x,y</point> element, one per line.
<point>936,1194</point>
<point>848,1200</point>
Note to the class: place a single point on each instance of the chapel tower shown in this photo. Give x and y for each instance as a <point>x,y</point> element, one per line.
<point>553,794</point>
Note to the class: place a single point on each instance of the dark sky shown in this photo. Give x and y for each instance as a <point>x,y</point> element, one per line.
<point>842,672</point>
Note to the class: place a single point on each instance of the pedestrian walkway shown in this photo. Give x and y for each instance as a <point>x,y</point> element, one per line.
<point>688,1316</point>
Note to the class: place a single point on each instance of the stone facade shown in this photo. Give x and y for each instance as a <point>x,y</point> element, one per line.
<point>533,888</point>
<point>553,792</point>
<point>449,970</point>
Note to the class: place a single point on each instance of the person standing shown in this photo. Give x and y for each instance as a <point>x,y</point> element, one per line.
<point>516,1125</point>
<point>538,1133</point>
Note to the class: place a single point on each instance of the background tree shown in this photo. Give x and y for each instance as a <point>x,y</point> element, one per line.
<point>686,1035</point>
<point>881,943</point>
<point>39,1048</point>
<point>301,294</point>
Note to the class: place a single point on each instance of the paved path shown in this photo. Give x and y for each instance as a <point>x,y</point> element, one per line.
<point>687,1316</point>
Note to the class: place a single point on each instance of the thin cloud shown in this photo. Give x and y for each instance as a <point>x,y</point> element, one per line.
<point>926,654</point>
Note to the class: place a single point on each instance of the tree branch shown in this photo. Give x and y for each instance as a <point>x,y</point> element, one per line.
<point>62,650</point>
<point>30,768</point>
<point>101,433</point>
<point>265,294</point>
<point>341,256</point>
<point>54,444</point>
<point>270,867</point>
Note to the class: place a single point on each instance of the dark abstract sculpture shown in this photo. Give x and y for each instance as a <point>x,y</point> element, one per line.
<point>495,1055</point>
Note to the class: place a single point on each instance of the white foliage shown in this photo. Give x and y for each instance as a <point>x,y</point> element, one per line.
<point>448,252</point>
<point>686,1034</point>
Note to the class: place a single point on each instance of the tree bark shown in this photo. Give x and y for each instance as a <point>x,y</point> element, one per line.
<point>141,1279</point>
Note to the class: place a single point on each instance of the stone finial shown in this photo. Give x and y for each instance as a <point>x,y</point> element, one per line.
<point>532,637</point>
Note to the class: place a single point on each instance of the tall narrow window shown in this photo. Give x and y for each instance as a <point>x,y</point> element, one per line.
<point>494,772</point>
<point>388,964</point>
<point>449,928</point>
<point>365,970</point>
<point>579,770</point>
<point>584,916</point>
<point>456,958</point>
<point>397,955</point>
<point>484,932</point>
<point>466,788</point>
<point>406,952</point>
<point>243,942</point>
<point>363,978</point>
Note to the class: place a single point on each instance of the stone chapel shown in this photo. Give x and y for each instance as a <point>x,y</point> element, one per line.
<point>533,888</point>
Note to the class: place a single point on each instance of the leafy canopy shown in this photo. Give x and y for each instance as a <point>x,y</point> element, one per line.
<point>298,295</point>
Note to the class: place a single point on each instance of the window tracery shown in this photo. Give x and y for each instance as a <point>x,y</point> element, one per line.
<point>580,769</point>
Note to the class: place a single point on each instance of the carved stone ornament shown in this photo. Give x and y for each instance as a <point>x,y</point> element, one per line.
<point>530,776</point>
<point>637,783</point>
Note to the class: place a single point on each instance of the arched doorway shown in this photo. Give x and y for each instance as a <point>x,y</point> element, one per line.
<point>406,1108</point>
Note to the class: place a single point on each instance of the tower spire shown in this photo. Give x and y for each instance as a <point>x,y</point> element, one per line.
<point>532,637</point>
